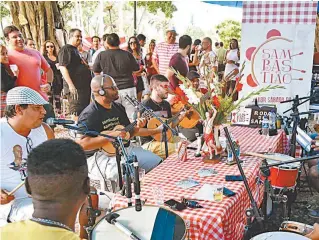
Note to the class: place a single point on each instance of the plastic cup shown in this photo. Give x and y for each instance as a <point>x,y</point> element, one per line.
<point>14,67</point>
<point>158,195</point>
<point>218,192</point>
<point>141,173</point>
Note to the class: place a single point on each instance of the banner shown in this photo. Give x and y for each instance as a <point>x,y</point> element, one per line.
<point>278,45</point>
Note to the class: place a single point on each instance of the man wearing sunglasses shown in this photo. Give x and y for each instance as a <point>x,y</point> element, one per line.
<point>104,114</point>
<point>21,130</point>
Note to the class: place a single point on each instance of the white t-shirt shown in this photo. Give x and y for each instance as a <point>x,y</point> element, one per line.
<point>207,62</point>
<point>14,146</point>
<point>101,49</point>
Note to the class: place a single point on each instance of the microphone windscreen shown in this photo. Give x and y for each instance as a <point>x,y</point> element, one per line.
<point>50,121</point>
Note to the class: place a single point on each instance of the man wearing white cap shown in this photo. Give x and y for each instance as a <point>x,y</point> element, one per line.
<point>164,51</point>
<point>21,130</point>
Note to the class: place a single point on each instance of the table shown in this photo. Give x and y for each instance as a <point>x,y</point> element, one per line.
<point>223,220</point>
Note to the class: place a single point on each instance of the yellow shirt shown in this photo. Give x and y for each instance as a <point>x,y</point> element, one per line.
<point>27,230</point>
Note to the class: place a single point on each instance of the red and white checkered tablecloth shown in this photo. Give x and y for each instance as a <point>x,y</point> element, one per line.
<point>223,220</point>
<point>283,12</point>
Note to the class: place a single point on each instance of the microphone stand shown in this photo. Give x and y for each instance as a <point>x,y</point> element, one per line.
<point>83,129</point>
<point>252,212</point>
<point>296,119</point>
<point>135,103</point>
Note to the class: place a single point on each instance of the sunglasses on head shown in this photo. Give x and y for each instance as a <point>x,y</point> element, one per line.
<point>50,46</point>
<point>132,43</point>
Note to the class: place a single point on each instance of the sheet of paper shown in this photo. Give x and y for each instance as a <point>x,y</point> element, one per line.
<point>206,192</point>
<point>187,183</point>
<point>206,172</point>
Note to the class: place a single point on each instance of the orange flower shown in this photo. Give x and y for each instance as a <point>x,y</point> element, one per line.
<point>216,101</point>
<point>239,87</point>
<point>180,95</point>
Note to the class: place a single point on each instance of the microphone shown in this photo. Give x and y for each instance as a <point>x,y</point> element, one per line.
<point>58,121</point>
<point>111,218</point>
<point>137,186</point>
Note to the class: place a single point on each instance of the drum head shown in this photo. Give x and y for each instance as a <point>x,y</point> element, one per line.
<point>152,222</point>
<point>283,158</point>
<point>279,236</point>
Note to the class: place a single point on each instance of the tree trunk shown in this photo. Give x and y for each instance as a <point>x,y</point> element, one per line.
<point>317,34</point>
<point>37,20</point>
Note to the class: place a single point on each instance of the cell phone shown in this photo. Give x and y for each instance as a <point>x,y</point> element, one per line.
<point>173,204</point>
<point>228,193</point>
<point>233,178</point>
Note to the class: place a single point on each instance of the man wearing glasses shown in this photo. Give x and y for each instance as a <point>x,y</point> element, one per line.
<point>120,65</point>
<point>103,115</point>
<point>22,129</point>
<point>75,72</point>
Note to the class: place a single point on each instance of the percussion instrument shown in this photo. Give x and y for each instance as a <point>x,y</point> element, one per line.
<point>284,175</point>
<point>279,236</point>
<point>153,221</point>
<point>10,196</point>
<point>296,227</point>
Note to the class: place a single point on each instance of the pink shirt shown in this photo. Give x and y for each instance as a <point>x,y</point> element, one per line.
<point>29,62</point>
<point>163,53</point>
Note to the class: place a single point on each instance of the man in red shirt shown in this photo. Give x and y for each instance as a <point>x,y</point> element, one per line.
<point>179,61</point>
<point>30,62</point>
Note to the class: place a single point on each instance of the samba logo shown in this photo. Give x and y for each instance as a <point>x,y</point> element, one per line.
<point>272,61</point>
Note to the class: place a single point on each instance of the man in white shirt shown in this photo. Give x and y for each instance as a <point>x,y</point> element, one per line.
<point>164,51</point>
<point>208,64</point>
<point>105,47</point>
<point>22,129</point>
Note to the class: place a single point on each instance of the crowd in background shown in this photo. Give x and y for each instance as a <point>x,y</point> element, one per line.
<point>67,73</point>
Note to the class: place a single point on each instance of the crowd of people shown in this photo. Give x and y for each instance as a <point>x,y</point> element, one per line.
<point>96,84</point>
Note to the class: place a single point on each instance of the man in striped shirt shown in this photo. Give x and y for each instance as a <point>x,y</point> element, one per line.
<point>164,51</point>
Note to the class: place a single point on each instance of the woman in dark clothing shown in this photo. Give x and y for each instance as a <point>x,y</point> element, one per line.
<point>49,52</point>
<point>8,77</point>
<point>135,48</point>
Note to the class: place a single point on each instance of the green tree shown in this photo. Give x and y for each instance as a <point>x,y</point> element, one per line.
<point>167,7</point>
<point>227,30</point>
<point>195,32</point>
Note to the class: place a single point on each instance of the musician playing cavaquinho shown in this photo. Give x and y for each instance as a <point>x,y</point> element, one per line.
<point>103,115</point>
<point>158,104</point>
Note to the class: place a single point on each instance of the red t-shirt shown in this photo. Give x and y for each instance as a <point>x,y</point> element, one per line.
<point>29,62</point>
<point>180,64</point>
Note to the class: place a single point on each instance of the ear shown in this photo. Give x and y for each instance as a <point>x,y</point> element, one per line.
<point>18,109</point>
<point>86,186</point>
<point>27,186</point>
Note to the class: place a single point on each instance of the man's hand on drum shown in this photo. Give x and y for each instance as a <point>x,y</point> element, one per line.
<point>5,198</point>
<point>314,235</point>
